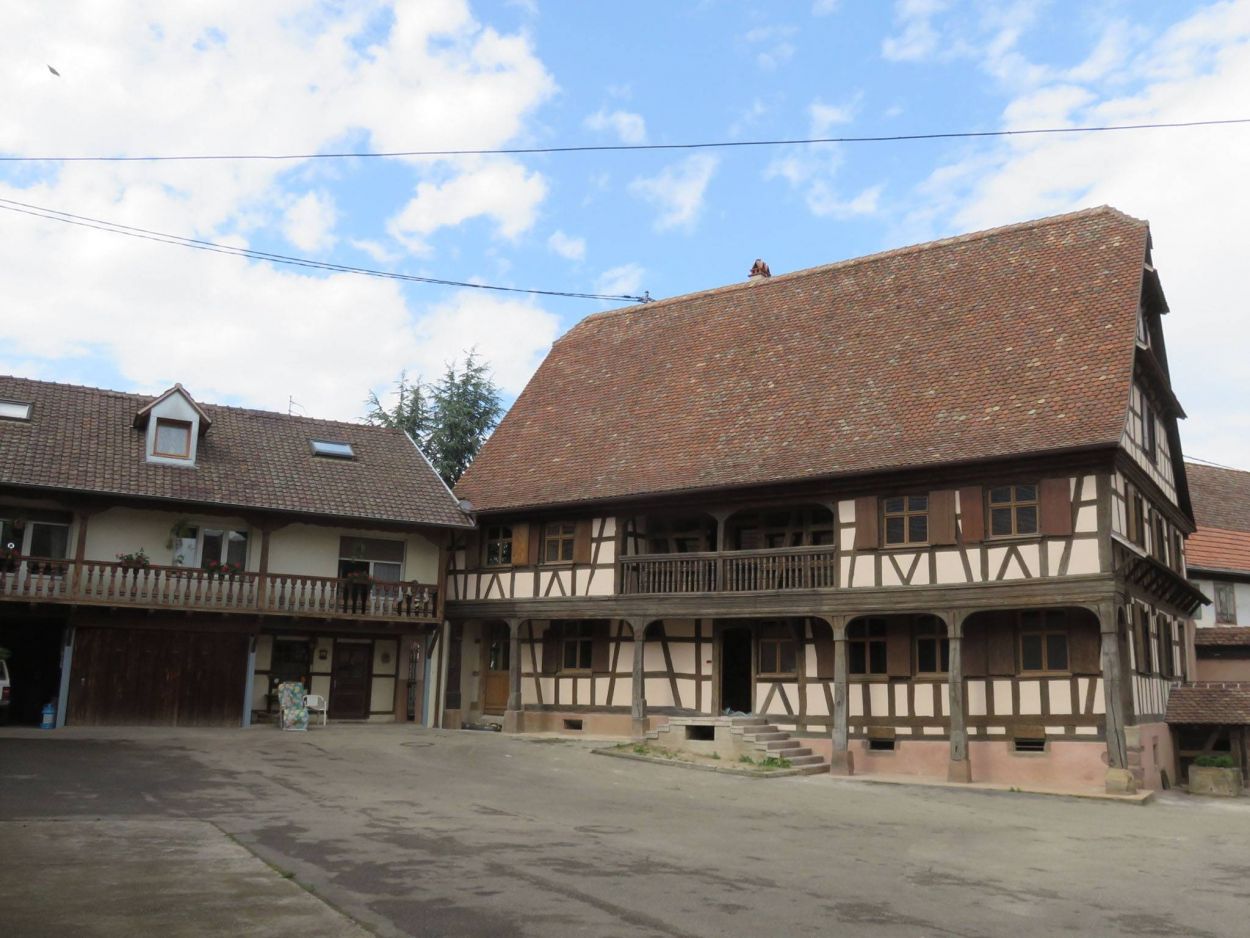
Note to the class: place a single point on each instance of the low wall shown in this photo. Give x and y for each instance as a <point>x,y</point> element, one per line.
<point>1151,755</point>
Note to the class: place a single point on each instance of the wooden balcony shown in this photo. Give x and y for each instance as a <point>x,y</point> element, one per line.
<point>104,583</point>
<point>740,571</point>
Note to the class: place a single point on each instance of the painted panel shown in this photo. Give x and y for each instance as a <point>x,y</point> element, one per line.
<point>658,692</point>
<point>976,698</point>
<point>382,695</point>
<point>865,570</point>
<point>924,700</point>
<point>1059,696</point>
<point>384,656</point>
<point>900,700</point>
<point>817,706</point>
<point>1084,557</point>
<point>950,567</point>
<point>1002,698</point>
<point>855,700</point>
<point>1087,519</point>
<point>1030,698</point>
<point>878,699</point>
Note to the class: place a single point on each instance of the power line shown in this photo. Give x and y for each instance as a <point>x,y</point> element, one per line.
<point>68,218</point>
<point>617,147</point>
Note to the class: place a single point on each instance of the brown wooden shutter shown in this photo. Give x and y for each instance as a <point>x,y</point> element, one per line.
<point>581,541</point>
<point>867,535</point>
<point>972,514</point>
<point>973,648</point>
<point>942,517</point>
<point>1084,646</point>
<point>551,649</point>
<point>535,545</point>
<point>898,646</point>
<point>822,636</point>
<point>472,550</point>
<point>520,544</point>
<point>1001,645</point>
<point>1055,507</point>
<point>601,648</point>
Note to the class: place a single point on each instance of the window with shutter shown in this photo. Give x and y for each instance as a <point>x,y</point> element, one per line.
<point>866,646</point>
<point>1013,510</point>
<point>905,519</point>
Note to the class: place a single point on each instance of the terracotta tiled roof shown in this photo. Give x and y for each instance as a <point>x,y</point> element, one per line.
<point>1209,703</point>
<point>1221,497</point>
<point>997,344</point>
<point>1213,549</point>
<point>1223,635</point>
<point>81,439</point>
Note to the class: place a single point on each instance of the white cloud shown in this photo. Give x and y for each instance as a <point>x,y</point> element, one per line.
<point>500,189</point>
<point>811,169</point>
<point>824,7</point>
<point>310,220</point>
<point>824,116</point>
<point>627,279</point>
<point>380,253</point>
<point>678,191</point>
<point>917,39</point>
<point>570,248</point>
<point>628,126</point>
<point>776,45</point>
<point>1186,182</point>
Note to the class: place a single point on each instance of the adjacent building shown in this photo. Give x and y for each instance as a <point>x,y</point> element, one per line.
<point>925,510</point>
<point>168,561</point>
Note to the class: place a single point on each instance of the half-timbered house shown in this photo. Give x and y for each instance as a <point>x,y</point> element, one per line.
<point>168,561</point>
<point>922,510</point>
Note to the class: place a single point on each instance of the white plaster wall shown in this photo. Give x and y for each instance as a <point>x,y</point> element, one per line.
<point>313,550</point>
<point>1205,616</point>
<point>174,407</point>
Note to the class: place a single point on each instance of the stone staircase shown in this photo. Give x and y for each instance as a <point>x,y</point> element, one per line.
<point>752,736</point>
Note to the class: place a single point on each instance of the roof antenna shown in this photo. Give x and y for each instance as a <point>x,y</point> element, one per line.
<point>646,297</point>
<point>291,404</point>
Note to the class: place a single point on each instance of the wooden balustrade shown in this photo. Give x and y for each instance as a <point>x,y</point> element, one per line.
<point>112,583</point>
<point>785,568</point>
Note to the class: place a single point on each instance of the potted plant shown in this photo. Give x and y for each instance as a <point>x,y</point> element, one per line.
<point>356,589</point>
<point>222,568</point>
<point>1215,775</point>
<point>135,560</point>
<point>9,557</point>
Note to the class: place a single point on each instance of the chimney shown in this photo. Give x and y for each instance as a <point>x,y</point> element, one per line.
<point>759,270</point>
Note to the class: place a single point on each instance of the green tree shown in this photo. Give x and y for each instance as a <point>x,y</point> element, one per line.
<point>466,407</point>
<point>449,420</point>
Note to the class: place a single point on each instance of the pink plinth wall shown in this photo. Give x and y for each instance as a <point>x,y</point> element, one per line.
<point>1150,752</point>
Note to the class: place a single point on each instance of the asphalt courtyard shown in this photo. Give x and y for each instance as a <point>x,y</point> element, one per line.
<point>399,831</point>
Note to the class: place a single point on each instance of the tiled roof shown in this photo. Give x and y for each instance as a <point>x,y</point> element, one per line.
<point>1214,549</point>
<point>1221,497</point>
<point>1223,635</point>
<point>1209,703</point>
<point>1012,341</point>
<point>81,439</point>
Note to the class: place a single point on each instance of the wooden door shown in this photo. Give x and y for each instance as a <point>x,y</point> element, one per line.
<point>350,680</point>
<point>497,650</point>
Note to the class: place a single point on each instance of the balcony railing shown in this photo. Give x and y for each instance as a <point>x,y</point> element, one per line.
<point>113,584</point>
<point>740,571</point>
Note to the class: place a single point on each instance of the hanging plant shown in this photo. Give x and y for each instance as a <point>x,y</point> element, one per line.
<point>182,528</point>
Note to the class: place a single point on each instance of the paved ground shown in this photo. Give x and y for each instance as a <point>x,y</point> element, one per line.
<point>433,833</point>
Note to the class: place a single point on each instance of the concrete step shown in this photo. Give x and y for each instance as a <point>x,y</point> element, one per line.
<point>765,736</point>
<point>813,769</point>
<point>748,721</point>
<point>779,745</point>
<point>808,760</point>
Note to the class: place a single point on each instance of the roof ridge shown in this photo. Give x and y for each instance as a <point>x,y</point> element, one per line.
<point>966,237</point>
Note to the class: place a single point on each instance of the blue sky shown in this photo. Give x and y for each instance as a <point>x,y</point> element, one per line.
<point>296,76</point>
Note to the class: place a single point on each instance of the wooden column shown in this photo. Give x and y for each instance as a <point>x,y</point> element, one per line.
<point>1119,778</point>
<point>638,711</point>
<point>451,698</point>
<point>262,569</point>
<point>721,517</point>
<point>841,761</point>
<point>514,715</point>
<point>80,548</point>
<point>960,769</point>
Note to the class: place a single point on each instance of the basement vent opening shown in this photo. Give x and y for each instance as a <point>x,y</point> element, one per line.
<point>573,725</point>
<point>1030,744</point>
<point>881,745</point>
<point>701,732</point>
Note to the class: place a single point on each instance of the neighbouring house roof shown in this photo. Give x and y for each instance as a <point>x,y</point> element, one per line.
<point>1224,636</point>
<point>1210,703</point>
<point>1018,340</point>
<point>1221,501</point>
<point>83,440</point>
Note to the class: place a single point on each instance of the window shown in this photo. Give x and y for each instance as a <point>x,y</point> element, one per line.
<point>14,410</point>
<point>332,450</point>
<point>1167,653</point>
<point>906,519</point>
<point>558,541</point>
<point>49,541</point>
<point>498,545</point>
<point>10,538</point>
<point>1043,641</point>
<point>223,547</point>
<point>866,646</point>
<point>578,641</point>
<point>1137,522</point>
<point>1180,643</point>
<point>1225,604</point>
<point>1145,664</point>
<point>778,650</point>
<point>381,559</point>
<point>173,439</point>
<point>1149,440</point>
<point>933,648</point>
<point>1013,510</point>
<point>1178,553</point>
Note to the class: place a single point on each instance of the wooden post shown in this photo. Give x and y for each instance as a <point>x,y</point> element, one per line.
<point>960,769</point>
<point>841,761</point>
<point>80,549</point>
<point>514,714</point>
<point>262,571</point>
<point>638,711</point>
<point>1119,778</point>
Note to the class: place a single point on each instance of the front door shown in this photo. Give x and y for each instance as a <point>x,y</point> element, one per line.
<point>349,680</point>
<point>735,669</point>
<point>498,648</point>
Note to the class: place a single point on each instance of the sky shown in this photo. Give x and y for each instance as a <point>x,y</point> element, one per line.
<point>292,76</point>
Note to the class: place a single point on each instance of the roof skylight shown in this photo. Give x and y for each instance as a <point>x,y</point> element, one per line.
<point>333,450</point>
<point>14,410</point>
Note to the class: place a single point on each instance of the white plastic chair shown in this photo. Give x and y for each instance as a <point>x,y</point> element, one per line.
<point>315,703</point>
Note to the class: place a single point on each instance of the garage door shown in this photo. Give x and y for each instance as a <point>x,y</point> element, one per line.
<point>146,676</point>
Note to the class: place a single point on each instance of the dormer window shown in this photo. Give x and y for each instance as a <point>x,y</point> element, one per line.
<point>332,450</point>
<point>14,410</point>
<point>173,439</point>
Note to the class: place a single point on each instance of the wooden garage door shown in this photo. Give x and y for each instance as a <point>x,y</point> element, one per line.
<point>147,676</point>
